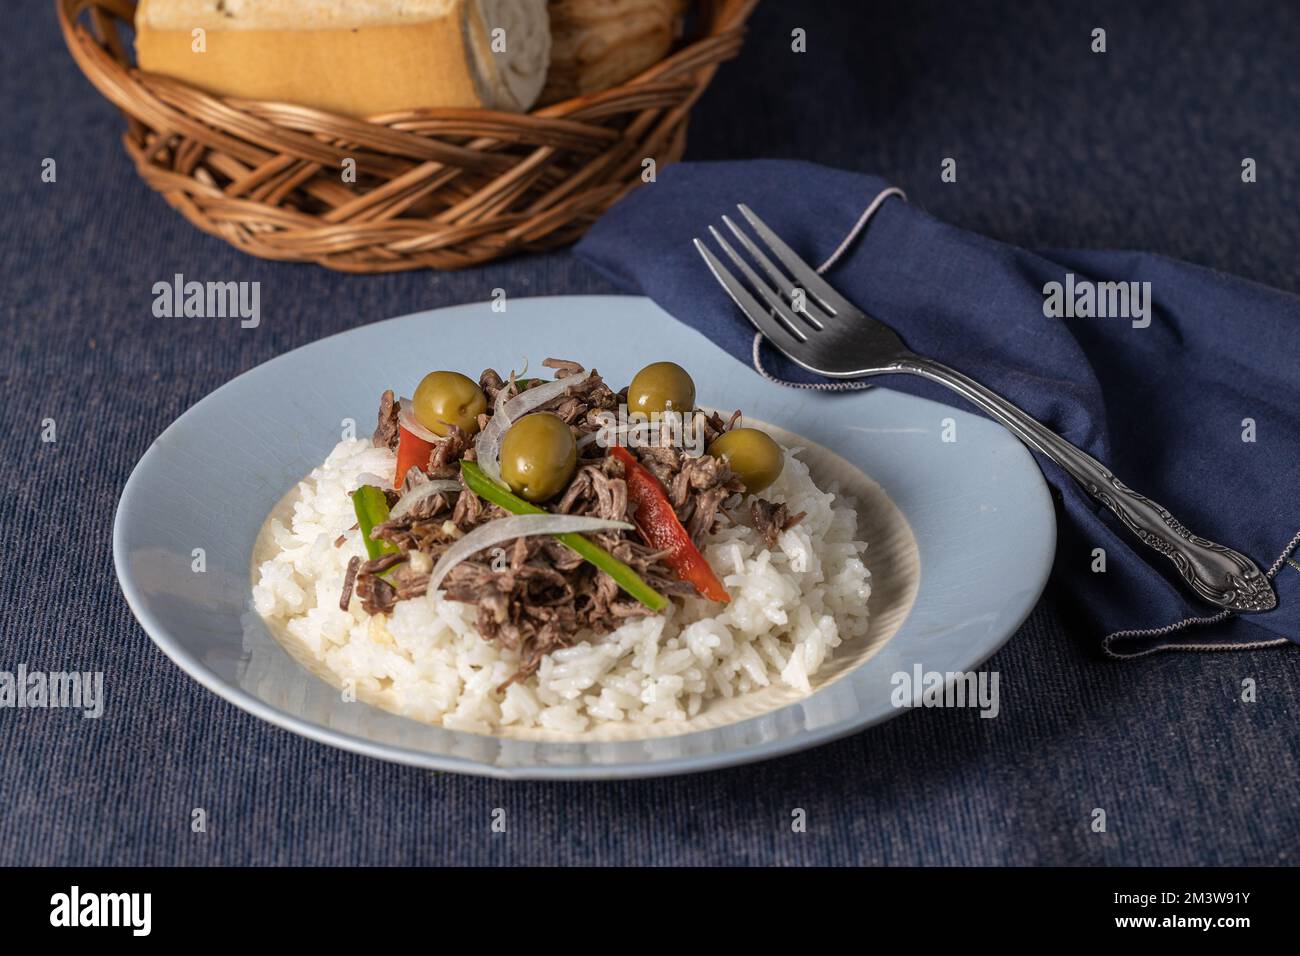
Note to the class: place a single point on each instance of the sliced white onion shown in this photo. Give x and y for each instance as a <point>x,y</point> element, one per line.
<point>406,418</point>
<point>515,526</point>
<point>487,447</point>
<point>530,398</point>
<point>420,492</point>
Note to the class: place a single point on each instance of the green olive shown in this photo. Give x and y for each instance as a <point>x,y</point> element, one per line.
<point>659,387</point>
<point>538,456</point>
<point>449,398</point>
<point>753,456</point>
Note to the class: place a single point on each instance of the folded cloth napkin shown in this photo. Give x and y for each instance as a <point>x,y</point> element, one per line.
<point>1196,404</point>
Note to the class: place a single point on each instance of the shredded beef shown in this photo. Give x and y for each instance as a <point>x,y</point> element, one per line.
<point>597,490</point>
<point>662,462</point>
<point>491,383</point>
<point>377,595</point>
<point>546,593</point>
<point>715,425</point>
<point>349,580</point>
<point>469,508</point>
<point>704,512</point>
<point>409,583</point>
<point>446,453</point>
<point>387,432</point>
<point>583,402</point>
<point>696,486</point>
<point>426,507</point>
<point>563,367</point>
<point>535,605</point>
<point>771,519</point>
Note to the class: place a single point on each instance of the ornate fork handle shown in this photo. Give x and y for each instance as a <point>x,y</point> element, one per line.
<point>1218,574</point>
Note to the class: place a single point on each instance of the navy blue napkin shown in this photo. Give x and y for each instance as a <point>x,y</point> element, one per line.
<point>1198,409</point>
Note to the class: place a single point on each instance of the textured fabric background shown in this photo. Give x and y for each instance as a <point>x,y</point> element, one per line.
<point>1137,148</point>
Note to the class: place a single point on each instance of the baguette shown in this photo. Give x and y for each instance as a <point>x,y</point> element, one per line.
<point>356,57</point>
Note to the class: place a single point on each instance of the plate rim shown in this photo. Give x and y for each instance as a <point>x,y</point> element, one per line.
<point>806,739</point>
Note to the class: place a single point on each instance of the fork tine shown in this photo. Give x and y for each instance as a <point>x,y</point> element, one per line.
<point>803,273</point>
<point>774,301</point>
<point>758,316</point>
<point>811,313</point>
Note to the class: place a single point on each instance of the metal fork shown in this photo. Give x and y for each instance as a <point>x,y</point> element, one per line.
<point>800,314</point>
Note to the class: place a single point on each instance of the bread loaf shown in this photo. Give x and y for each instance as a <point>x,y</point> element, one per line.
<point>357,57</point>
<point>596,44</point>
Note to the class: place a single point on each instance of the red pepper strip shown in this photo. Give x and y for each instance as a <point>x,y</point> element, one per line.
<point>412,451</point>
<point>658,524</point>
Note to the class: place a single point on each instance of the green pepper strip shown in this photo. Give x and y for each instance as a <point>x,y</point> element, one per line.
<point>623,576</point>
<point>371,505</point>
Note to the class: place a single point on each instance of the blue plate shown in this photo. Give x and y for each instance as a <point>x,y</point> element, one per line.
<point>972,531</point>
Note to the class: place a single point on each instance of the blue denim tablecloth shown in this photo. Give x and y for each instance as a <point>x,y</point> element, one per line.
<point>1140,147</point>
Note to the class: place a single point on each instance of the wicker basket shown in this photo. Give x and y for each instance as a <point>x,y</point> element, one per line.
<point>437,188</point>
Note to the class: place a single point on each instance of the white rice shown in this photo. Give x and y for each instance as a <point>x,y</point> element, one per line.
<point>790,608</point>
